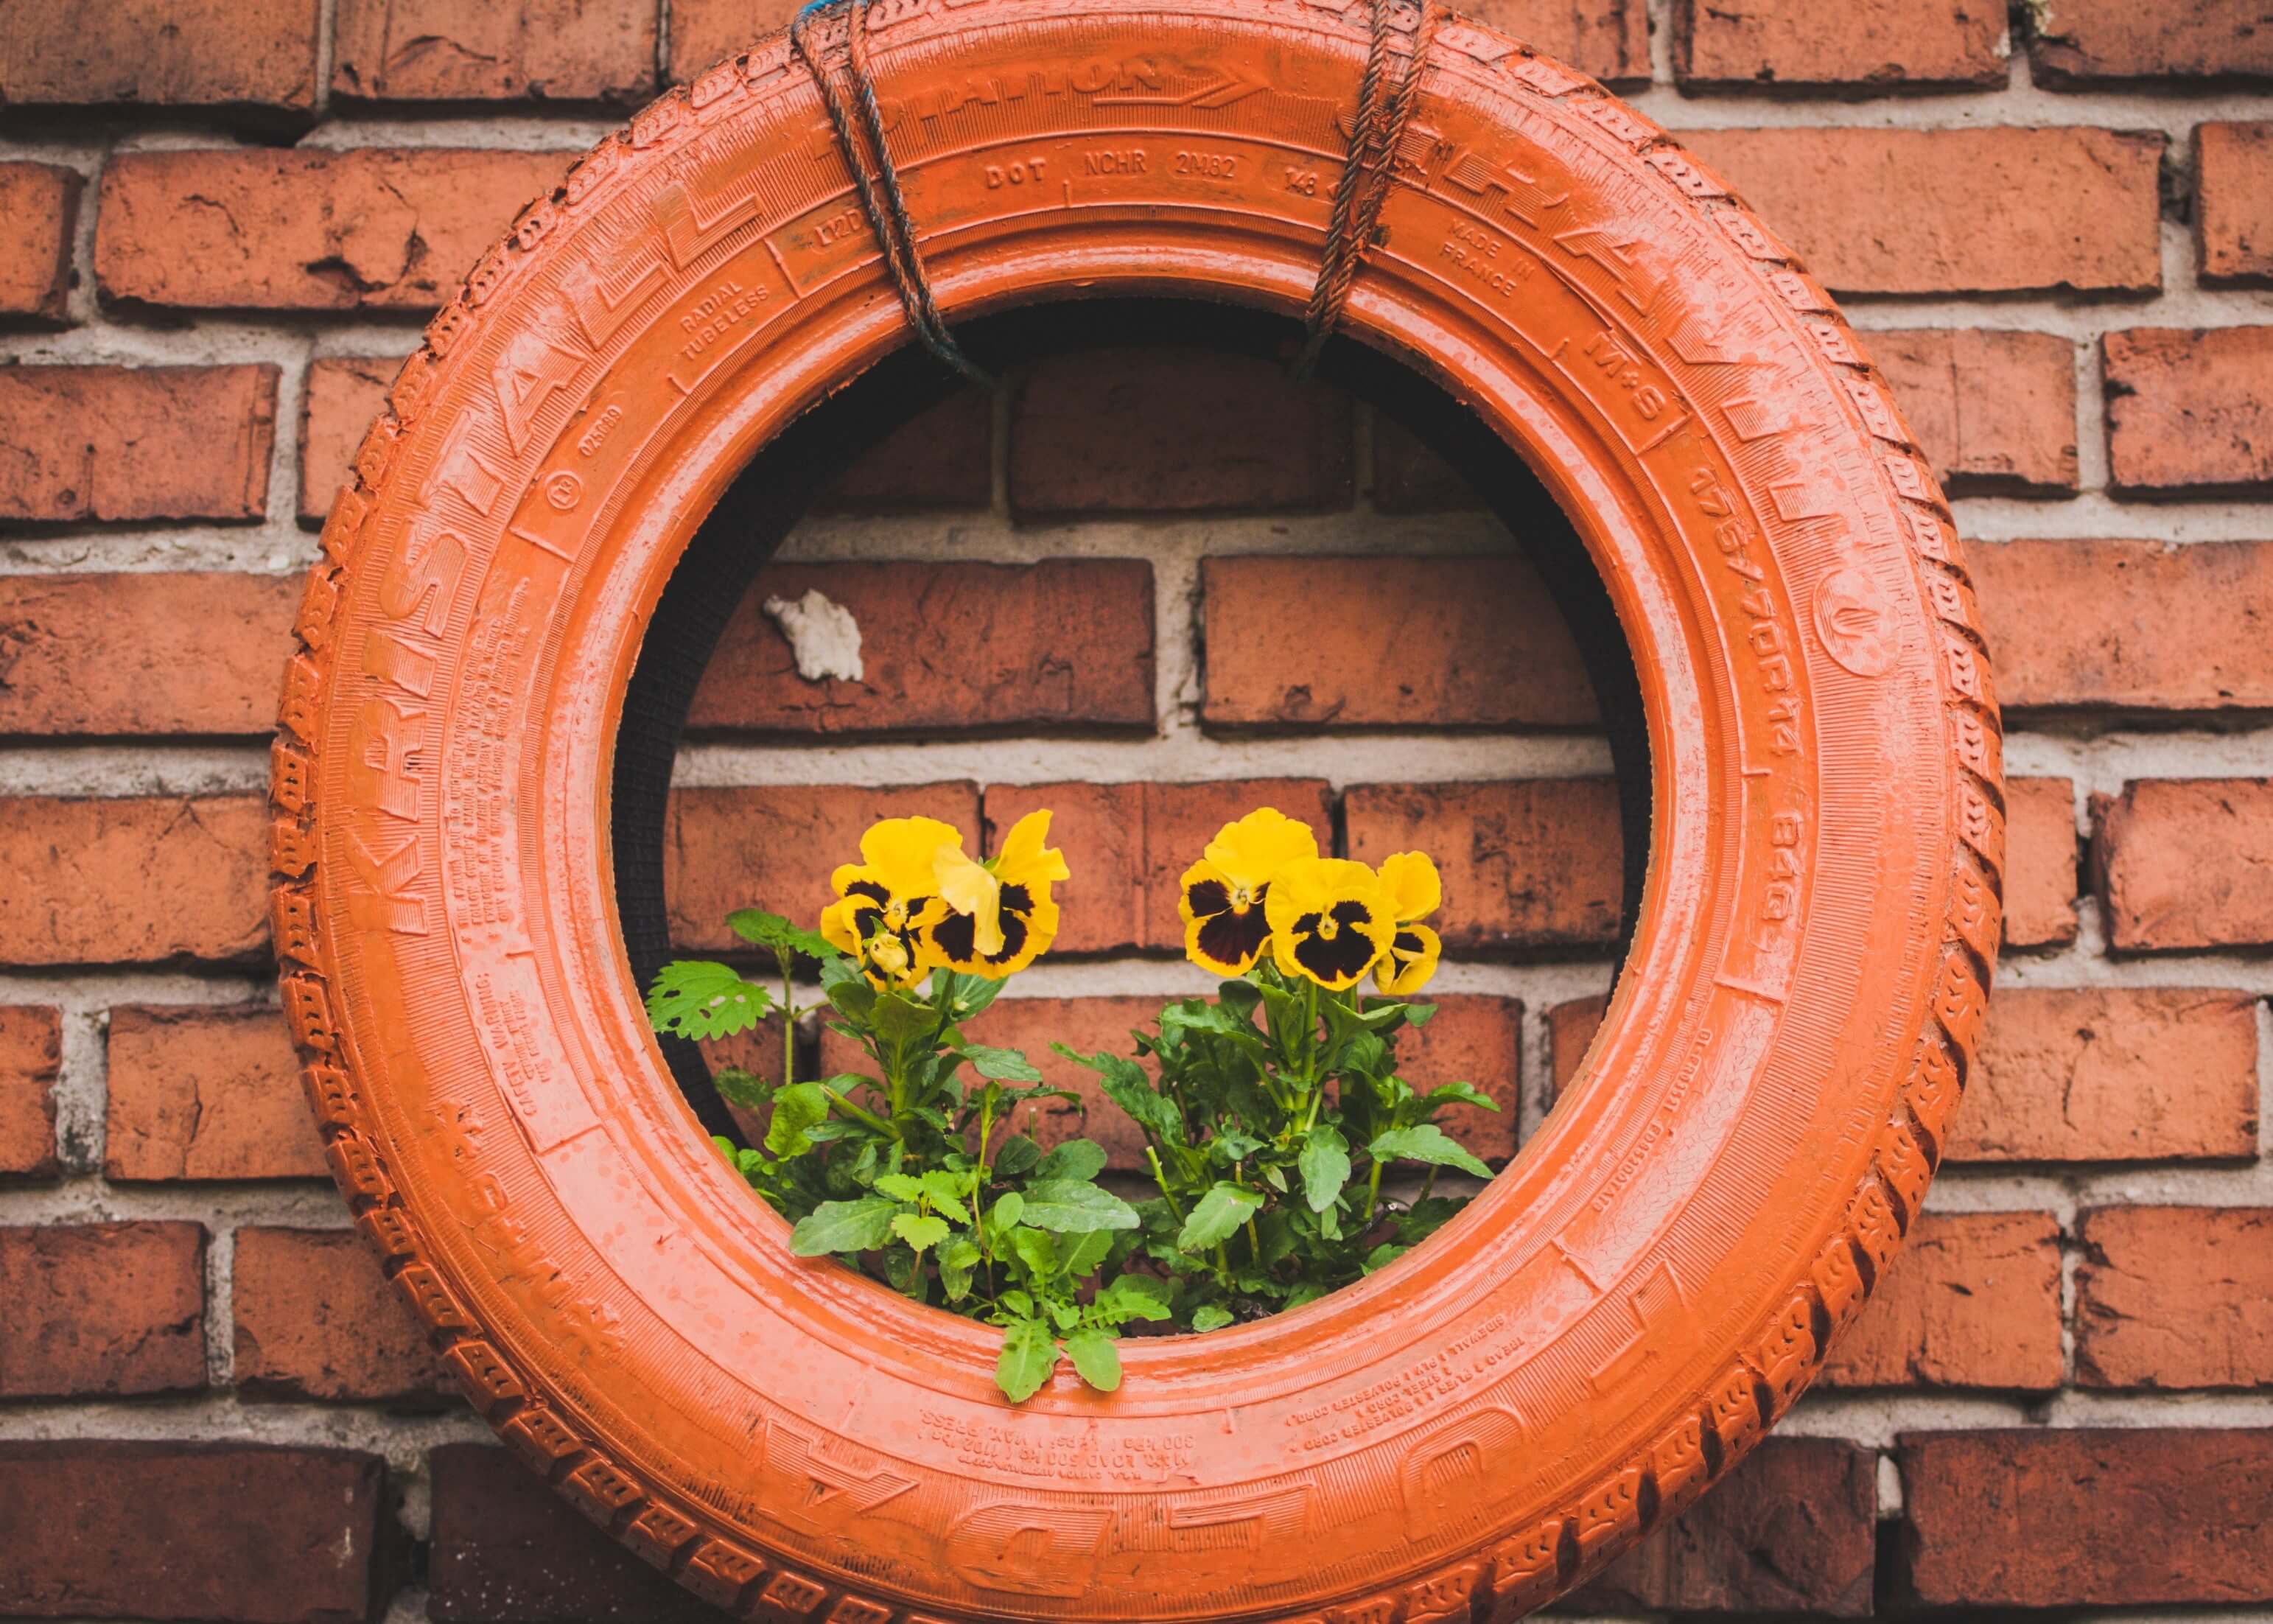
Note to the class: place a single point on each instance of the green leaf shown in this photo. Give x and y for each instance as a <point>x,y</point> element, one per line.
<point>1003,1066</point>
<point>772,931</point>
<point>919,1231</point>
<point>1216,1214</point>
<point>956,1259</point>
<point>1462,1093</point>
<point>1382,1256</point>
<point>796,1108</point>
<point>1073,1206</point>
<point>1425,1142</point>
<point>1095,1357</point>
<point>1134,1297</point>
<point>1210,1317</point>
<point>1007,1209</point>
<point>1016,1156</point>
<point>1037,1250</point>
<point>1082,1159</point>
<point>1325,1166</point>
<point>1126,1086</point>
<point>901,1020</point>
<point>1028,1357</point>
<point>1085,1252</point>
<point>844,1226</point>
<point>944,1191</point>
<point>737,1087</point>
<point>900,1186</point>
<point>847,988</point>
<point>1019,1302</point>
<point>696,998</point>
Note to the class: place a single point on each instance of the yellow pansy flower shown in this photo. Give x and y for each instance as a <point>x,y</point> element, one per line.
<point>886,899</point>
<point>1224,895</point>
<point>1412,890</point>
<point>998,916</point>
<point>1329,921</point>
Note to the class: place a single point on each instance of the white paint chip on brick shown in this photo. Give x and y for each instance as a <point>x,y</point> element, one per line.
<point>823,636</point>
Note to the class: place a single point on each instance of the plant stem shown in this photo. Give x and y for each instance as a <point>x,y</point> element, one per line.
<point>1372,1190</point>
<point>1161,1179</point>
<point>861,1114</point>
<point>789,1024</point>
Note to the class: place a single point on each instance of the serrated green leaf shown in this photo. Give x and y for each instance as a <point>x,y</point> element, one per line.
<point>900,1186</point>
<point>945,1190</point>
<point>696,998</point>
<point>1003,1066</point>
<point>1083,1159</point>
<point>1210,1317</point>
<point>1325,1166</point>
<point>1094,1357</point>
<point>920,1231</point>
<point>1216,1214</point>
<point>1134,1297</point>
<point>844,1226</point>
<point>799,1107</point>
<point>772,931</point>
<point>1426,1143</point>
<point>1029,1355</point>
<point>1127,1086</point>
<point>1072,1206</point>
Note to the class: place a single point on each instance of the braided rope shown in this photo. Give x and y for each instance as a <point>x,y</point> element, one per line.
<point>1377,130</point>
<point>880,198</point>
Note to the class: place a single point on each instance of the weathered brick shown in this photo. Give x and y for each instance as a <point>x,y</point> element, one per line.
<point>941,457</point>
<point>161,53</point>
<point>707,31</point>
<point>1527,863</point>
<point>1972,1301</point>
<point>315,1318</point>
<point>2111,1074</point>
<point>1570,1028</point>
<point>2189,412</point>
<point>1994,412</point>
<point>1878,47</point>
<point>1064,643</point>
<point>1410,477</point>
<point>508,1550</point>
<point>2185,863</point>
<point>31,1052</point>
<point>2233,192</point>
<point>101,1309</point>
<point>2095,42</point>
<point>344,394</point>
<point>39,202</point>
<point>1164,430</point>
<point>1471,1038</point>
<point>1388,642</point>
<point>775,847</point>
<point>193,1531</point>
<point>1873,212</point>
<point>197,1093</point>
<point>1793,1529</point>
<point>1129,844</point>
<point>364,228</point>
<point>142,653</point>
<point>2175,1297</point>
<point>1608,38</point>
<point>2111,1516</point>
<point>2040,861</point>
<point>2128,625</point>
<point>133,881</point>
<point>494,50</point>
<point>118,443</point>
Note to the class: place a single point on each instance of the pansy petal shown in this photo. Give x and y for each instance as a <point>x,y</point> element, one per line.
<point>970,887</point>
<point>1411,960</point>
<point>1410,885</point>
<point>902,851</point>
<point>1251,851</point>
<point>1025,856</point>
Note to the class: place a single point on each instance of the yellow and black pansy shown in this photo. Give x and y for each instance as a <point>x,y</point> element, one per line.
<point>1224,896</point>
<point>1410,889</point>
<point>1329,921</point>
<point>886,899</point>
<point>998,916</point>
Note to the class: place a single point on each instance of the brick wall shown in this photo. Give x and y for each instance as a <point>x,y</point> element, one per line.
<point>224,218</point>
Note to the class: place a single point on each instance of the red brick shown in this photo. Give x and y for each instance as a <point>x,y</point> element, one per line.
<point>703,32</point>
<point>1994,412</point>
<point>1163,429</point>
<point>1129,844</point>
<point>31,1053</point>
<point>941,457</point>
<point>2040,859</point>
<point>2128,625</point>
<point>375,228</point>
<point>193,1532</point>
<point>1879,48</point>
<point>134,882</point>
<point>2113,1516</point>
<point>494,50</point>
<point>198,1093</point>
<point>2185,863</point>
<point>1792,1530</point>
<point>775,847</point>
<point>316,1319</point>
<point>161,53</point>
<point>2175,1297</point>
<point>39,202</point>
<point>1527,863</point>
<point>101,1309</point>
<point>2189,412</point>
<point>1608,38</point>
<point>344,394</point>
<point>1409,478</point>
<point>1873,210</point>
<point>2111,1074</point>
<point>1388,642</point>
<point>1972,1301</point>
<point>1064,643</point>
<point>1570,1028</point>
<point>2233,213</point>
<point>118,443</point>
<point>1471,1038</point>
<point>138,654</point>
<point>2088,41</point>
<point>508,1550</point>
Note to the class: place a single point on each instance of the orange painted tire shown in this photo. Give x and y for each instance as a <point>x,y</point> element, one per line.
<point>1629,1306</point>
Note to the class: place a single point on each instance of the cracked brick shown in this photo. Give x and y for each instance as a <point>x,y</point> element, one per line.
<point>103,1310</point>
